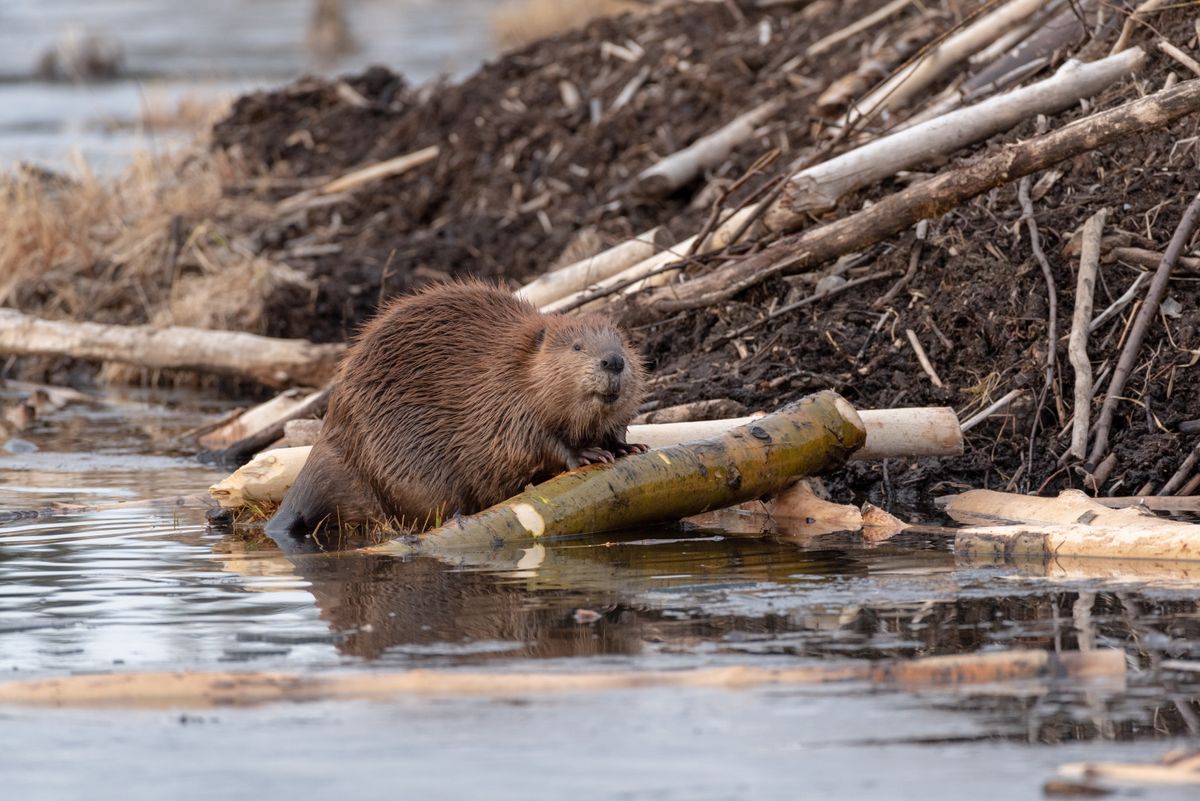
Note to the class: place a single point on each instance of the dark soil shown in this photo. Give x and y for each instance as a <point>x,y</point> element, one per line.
<point>523,181</point>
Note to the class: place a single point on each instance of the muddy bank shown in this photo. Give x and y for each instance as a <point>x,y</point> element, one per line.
<point>536,161</point>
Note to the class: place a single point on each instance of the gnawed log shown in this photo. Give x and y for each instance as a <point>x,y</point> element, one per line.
<point>204,690</point>
<point>270,430</point>
<point>819,187</point>
<point>928,199</point>
<point>273,362</point>
<point>804,438</point>
<point>1009,525</point>
<point>245,422</point>
<point>890,433</point>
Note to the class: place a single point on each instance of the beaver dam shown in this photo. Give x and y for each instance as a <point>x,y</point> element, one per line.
<point>915,290</point>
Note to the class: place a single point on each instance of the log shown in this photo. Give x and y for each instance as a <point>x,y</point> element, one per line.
<point>929,199</point>
<point>812,435</point>
<point>1070,525</point>
<point>272,362</point>
<point>708,151</point>
<point>237,453</point>
<point>910,81</point>
<point>579,275</point>
<point>821,186</point>
<point>245,422</point>
<point>204,690</point>
<point>890,433</point>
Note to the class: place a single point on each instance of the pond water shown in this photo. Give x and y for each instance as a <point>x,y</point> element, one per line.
<point>147,589</point>
<point>176,49</point>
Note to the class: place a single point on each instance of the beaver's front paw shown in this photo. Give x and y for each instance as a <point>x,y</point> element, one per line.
<point>587,456</point>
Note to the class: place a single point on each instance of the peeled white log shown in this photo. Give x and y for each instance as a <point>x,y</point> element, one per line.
<point>708,151</point>
<point>274,362</point>
<point>891,433</point>
<point>1070,525</point>
<point>821,186</point>
<point>908,82</point>
<point>581,274</point>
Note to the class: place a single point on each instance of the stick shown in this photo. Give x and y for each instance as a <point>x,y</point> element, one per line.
<point>871,20</point>
<point>708,151</point>
<point>1180,56</point>
<point>908,82</point>
<point>581,274</point>
<point>1183,473</point>
<point>1085,286</point>
<point>994,408</point>
<point>929,198</point>
<point>360,177</point>
<point>273,362</point>
<point>1133,20</point>
<point>1141,257</point>
<point>1120,303</point>
<point>922,358</point>
<point>1158,288</point>
<point>820,187</point>
<point>241,688</point>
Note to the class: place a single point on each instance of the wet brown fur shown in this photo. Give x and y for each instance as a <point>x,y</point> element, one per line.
<point>455,398</point>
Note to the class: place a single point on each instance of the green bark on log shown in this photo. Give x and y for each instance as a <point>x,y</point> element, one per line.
<point>812,435</point>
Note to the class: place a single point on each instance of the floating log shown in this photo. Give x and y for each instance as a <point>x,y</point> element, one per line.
<point>273,362</point>
<point>206,690</point>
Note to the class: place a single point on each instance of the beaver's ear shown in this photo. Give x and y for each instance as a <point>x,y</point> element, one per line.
<point>539,338</point>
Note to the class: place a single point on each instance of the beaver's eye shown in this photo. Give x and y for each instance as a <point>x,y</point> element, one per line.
<point>577,346</point>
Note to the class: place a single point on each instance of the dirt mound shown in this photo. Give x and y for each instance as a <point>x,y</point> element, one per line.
<point>537,150</point>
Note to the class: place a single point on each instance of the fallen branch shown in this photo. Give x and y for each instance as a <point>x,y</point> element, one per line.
<point>1147,314</point>
<point>708,151</point>
<point>821,187</point>
<point>864,23</point>
<point>929,198</point>
<point>241,688</point>
<point>273,362</point>
<point>237,453</point>
<point>1085,285</point>
<point>908,82</point>
<point>1070,525</point>
<point>358,178</point>
<point>579,275</point>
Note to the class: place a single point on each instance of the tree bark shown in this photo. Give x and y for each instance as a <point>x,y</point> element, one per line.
<point>273,362</point>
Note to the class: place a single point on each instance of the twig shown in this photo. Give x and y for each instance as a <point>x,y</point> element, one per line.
<point>922,358</point>
<point>1035,244</point>
<point>357,178</point>
<point>791,307</point>
<point>1085,286</point>
<point>1119,304</point>
<point>822,45</point>
<point>1148,312</point>
<point>1180,56</point>
<point>1132,20</point>
<point>1183,473</point>
<point>914,259</point>
<point>995,408</point>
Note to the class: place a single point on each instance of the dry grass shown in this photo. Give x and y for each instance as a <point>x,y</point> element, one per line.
<point>519,22</point>
<point>160,243</point>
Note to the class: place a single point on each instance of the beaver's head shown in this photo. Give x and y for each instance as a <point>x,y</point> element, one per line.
<point>591,377</point>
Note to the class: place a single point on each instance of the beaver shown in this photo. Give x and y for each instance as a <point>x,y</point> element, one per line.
<point>454,399</point>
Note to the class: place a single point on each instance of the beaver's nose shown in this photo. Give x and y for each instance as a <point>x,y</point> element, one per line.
<point>613,362</point>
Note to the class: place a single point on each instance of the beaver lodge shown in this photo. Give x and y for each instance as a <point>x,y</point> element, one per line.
<point>984,206</point>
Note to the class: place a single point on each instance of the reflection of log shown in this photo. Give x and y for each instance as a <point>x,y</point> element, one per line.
<point>274,362</point>
<point>804,438</point>
<point>205,690</point>
<point>1072,524</point>
<point>891,433</point>
<point>928,199</point>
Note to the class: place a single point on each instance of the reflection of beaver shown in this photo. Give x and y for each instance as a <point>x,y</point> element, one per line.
<point>456,397</point>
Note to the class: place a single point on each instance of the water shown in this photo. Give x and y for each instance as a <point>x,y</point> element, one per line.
<point>175,49</point>
<point>145,589</point>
